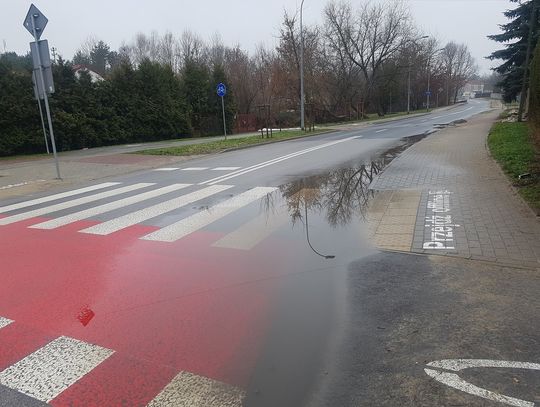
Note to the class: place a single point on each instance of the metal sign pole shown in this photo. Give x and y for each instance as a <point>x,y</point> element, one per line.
<point>224,122</point>
<point>47,108</point>
<point>43,124</point>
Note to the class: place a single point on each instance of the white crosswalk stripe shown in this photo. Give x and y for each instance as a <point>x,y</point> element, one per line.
<point>4,322</point>
<point>190,390</point>
<point>247,236</point>
<point>195,222</point>
<point>250,234</point>
<point>70,204</point>
<point>134,218</point>
<point>50,198</point>
<point>98,210</point>
<point>53,368</point>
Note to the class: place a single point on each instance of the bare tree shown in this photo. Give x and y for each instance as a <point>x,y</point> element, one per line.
<point>369,36</point>
<point>167,50</point>
<point>192,47</point>
<point>459,66</point>
<point>241,73</point>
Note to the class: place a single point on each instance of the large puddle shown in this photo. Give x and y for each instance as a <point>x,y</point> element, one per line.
<point>328,231</point>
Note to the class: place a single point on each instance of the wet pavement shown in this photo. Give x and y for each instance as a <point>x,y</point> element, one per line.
<point>249,278</point>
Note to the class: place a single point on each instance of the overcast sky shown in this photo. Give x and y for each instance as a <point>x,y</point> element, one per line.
<point>244,22</point>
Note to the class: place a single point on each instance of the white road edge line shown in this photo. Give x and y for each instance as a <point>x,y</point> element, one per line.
<point>70,204</point>
<point>226,168</point>
<point>51,369</point>
<point>195,169</point>
<point>56,196</point>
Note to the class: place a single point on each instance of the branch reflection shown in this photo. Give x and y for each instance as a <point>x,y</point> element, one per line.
<point>341,194</point>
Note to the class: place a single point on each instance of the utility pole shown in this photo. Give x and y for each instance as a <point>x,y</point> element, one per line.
<point>302,120</point>
<point>409,75</point>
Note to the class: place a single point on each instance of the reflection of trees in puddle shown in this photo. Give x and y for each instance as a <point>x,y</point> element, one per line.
<point>343,193</point>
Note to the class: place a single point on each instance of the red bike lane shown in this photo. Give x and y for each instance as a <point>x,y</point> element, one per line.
<point>161,307</point>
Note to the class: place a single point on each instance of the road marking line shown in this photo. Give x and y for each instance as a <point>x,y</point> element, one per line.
<point>271,162</point>
<point>201,219</point>
<point>133,218</point>
<point>51,369</point>
<point>250,234</point>
<point>166,169</point>
<point>56,196</point>
<point>225,168</point>
<point>4,322</point>
<point>456,382</point>
<point>195,169</point>
<point>380,131</point>
<point>98,210</point>
<point>451,114</point>
<point>457,365</point>
<point>190,390</point>
<point>70,204</point>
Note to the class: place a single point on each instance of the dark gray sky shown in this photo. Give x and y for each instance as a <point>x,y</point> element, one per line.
<point>246,22</point>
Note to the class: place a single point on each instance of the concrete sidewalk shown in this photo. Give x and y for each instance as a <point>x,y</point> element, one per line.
<point>446,195</point>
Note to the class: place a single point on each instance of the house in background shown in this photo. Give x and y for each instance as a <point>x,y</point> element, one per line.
<point>94,76</point>
<point>473,87</point>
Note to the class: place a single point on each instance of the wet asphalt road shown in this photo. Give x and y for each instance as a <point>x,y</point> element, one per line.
<point>326,319</point>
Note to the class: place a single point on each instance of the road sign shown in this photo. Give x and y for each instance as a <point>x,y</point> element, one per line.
<point>35,22</point>
<point>40,21</point>
<point>221,90</point>
<point>47,78</point>
<point>428,93</point>
<point>43,56</point>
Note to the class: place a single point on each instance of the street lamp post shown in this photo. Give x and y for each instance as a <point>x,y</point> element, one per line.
<point>409,76</point>
<point>428,93</point>
<point>302,123</point>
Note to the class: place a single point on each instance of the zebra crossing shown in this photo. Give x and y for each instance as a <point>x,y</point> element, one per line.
<point>108,198</point>
<point>47,372</point>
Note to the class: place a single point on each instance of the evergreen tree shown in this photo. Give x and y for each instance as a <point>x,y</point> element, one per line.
<point>534,95</point>
<point>99,57</point>
<point>20,128</point>
<point>195,85</point>
<point>515,37</point>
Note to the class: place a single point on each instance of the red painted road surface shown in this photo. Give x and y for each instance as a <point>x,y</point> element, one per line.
<point>162,307</point>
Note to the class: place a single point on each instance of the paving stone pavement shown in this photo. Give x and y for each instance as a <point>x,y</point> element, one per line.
<point>452,180</point>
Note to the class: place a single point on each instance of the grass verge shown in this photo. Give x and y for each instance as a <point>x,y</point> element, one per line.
<point>512,146</point>
<point>213,147</point>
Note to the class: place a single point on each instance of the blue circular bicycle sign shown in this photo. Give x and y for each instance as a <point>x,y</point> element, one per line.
<point>221,89</point>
